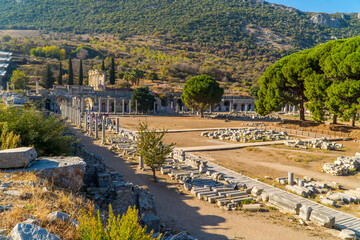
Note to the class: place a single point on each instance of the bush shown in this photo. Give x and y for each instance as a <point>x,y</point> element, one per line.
<point>45,133</point>
<point>125,228</point>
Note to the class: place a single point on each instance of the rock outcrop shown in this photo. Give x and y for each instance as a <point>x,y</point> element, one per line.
<point>326,21</point>
<point>24,231</point>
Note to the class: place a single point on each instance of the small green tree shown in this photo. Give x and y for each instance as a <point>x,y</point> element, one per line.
<point>48,78</point>
<point>151,147</point>
<point>145,100</point>
<point>81,74</point>
<point>9,139</point>
<point>112,71</point>
<point>71,73</point>
<point>20,79</point>
<point>201,92</point>
<point>60,81</point>
<point>138,74</point>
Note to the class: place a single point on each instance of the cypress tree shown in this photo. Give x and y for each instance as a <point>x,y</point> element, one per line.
<point>71,73</point>
<point>112,71</point>
<point>103,65</point>
<point>60,82</point>
<point>48,78</point>
<point>81,74</point>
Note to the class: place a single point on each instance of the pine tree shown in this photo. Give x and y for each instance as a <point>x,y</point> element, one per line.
<point>60,82</point>
<point>71,73</point>
<point>48,77</point>
<point>81,74</point>
<point>112,71</point>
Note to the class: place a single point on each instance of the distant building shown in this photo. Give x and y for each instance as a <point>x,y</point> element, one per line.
<point>97,80</point>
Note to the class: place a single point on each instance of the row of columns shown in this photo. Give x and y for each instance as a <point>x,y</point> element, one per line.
<point>114,100</point>
<point>87,121</point>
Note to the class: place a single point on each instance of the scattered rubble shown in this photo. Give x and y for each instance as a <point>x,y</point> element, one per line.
<point>246,135</point>
<point>343,165</point>
<point>321,143</point>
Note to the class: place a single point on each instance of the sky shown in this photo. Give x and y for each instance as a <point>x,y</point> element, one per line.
<point>328,6</point>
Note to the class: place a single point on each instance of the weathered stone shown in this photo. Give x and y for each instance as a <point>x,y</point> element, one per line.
<point>67,172</point>
<point>285,203</point>
<point>252,207</point>
<point>23,231</point>
<point>322,218</point>
<point>58,216</point>
<point>17,157</point>
<point>305,212</point>
<point>256,191</point>
<point>347,234</point>
<point>152,222</point>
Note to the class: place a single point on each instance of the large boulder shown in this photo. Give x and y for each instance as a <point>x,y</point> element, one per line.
<point>17,157</point>
<point>24,231</point>
<point>66,172</point>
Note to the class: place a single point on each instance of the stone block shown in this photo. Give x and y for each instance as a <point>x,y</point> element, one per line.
<point>24,231</point>
<point>305,212</point>
<point>285,203</point>
<point>152,222</point>
<point>58,216</point>
<point>256,191</point>
<point>17,157</point>
<point>347,234</point>
<point>103,179</point>
<point>252,207</point>
<point>322,218</point>
<point>66,172</point>
<point>326,201</point>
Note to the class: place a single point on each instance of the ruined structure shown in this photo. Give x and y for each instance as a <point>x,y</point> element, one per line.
<point>97,80</point>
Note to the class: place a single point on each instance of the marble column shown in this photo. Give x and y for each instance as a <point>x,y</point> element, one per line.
<point>91,124</point>
<point>117,125</point>
<point>108,106</point>
<point>141,162</point>
<point>96,127</point>
<point>99,105</point>
<point>86,121</point>
<point>103,130</point>
<point>114,106</point>
<point>129,106</point>
<point>123,106</point>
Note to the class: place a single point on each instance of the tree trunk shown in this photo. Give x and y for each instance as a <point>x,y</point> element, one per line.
<point>154,176</point>
<point>201,113</point>
<point>353,120</point>
<point>302,110</point>
<point>334,119</point>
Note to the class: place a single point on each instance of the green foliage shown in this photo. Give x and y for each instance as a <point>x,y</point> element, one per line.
<point>9,139</point>
<point>6,38</point>
<point>112,71</point>
<point>49,52</point>
<point>151,147</point>
<point>201,92</point>
<point>71,73</point>
<point>254,91</point>
<point>152,76</point>
<point>125,228</point>
<point>45,133</point>
<point>344,99</point>
<point>20,79</point>
<point>60,80</point>
<point>81,73</point>
<point>144,99</point>
<point>48,78</point>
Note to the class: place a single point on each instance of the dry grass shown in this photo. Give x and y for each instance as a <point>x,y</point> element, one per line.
<point>37,202</point>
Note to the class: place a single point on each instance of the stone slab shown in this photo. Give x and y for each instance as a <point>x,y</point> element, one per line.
<point>17,157</point>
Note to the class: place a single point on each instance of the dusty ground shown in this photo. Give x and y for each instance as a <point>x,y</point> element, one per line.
<point>203,220</point>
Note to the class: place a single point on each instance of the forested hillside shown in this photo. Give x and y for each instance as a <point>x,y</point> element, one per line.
<point>206,21</point>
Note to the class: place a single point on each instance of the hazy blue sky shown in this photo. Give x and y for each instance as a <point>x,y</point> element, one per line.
<point>329,6</point>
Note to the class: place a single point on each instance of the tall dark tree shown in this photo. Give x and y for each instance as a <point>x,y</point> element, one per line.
<point>60,80</point>
<point>81,74</point>
<point>48,78</point>
<point>112,71</point>
<point>71,73</point>
<point>103,65</point>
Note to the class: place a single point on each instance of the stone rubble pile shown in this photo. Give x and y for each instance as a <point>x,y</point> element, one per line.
<point>246,117</point>
<point>321,143</point>
<point>246,135</point>
<point>343,165</point>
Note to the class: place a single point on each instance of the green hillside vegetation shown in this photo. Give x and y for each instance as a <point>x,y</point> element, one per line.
<point>326,79</point>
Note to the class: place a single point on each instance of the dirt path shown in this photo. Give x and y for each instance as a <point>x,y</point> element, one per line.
<point>203,220</point>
